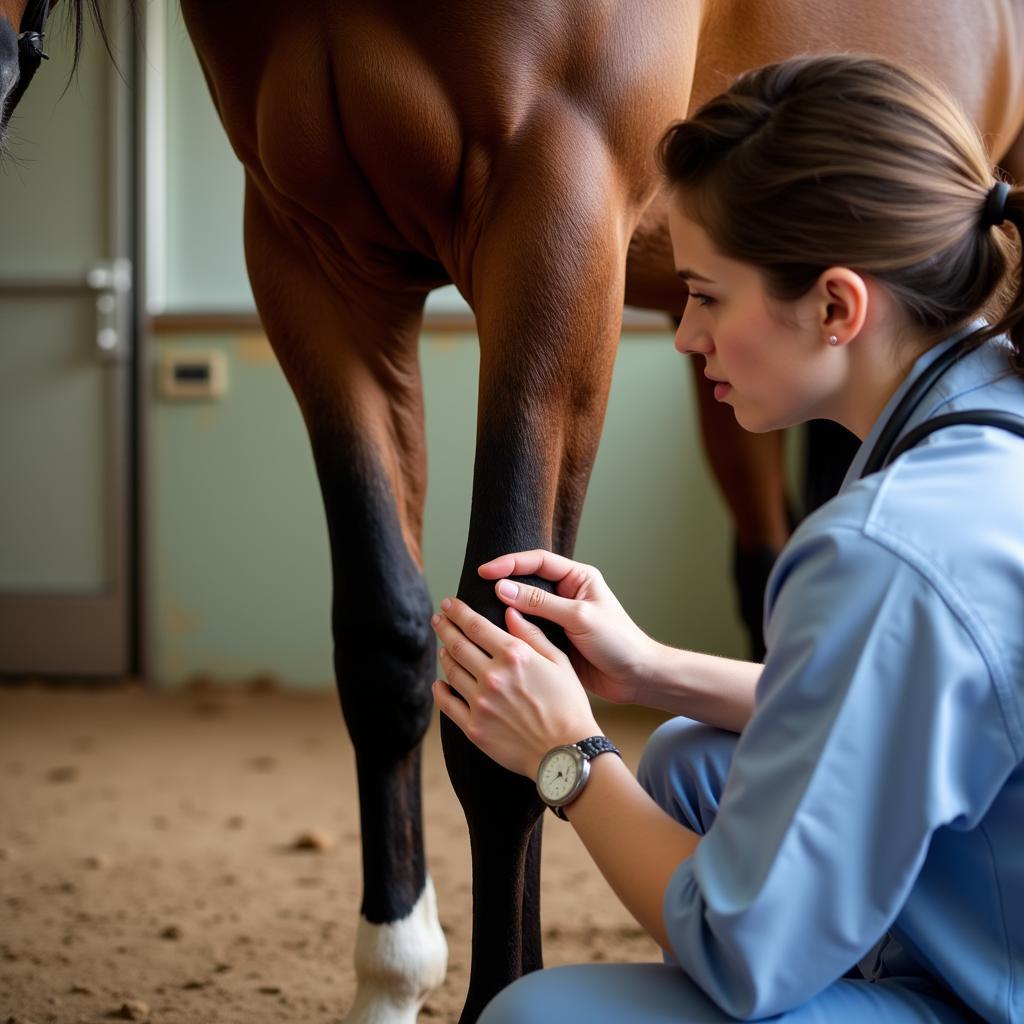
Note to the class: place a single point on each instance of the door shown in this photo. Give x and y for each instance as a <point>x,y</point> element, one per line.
<point>66,365</point>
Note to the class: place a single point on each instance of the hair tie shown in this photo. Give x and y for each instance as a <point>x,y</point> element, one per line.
<point>995,206</point>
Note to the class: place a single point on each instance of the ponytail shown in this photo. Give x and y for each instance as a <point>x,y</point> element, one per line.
<point>1010,292</point>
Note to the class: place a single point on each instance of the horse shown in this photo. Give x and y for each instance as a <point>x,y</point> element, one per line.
<point>390,149</point>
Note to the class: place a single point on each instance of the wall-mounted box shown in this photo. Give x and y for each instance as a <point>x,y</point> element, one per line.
<point>192,374</point>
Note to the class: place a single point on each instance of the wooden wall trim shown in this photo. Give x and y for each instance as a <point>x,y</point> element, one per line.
<point>248,322</point>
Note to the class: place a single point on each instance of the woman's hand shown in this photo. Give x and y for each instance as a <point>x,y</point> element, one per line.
<point>520,695</point>
<point>610,651</point>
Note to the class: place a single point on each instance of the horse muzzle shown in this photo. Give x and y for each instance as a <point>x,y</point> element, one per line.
<point>20,57</point>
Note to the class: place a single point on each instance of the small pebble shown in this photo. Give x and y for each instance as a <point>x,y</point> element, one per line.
<point>62,773</point>
<point>270,990</point>
<point>235,821</point>
<point>78,989</point>
<point>263,763</point>
<point>313,839</point>
<point>133,1009</point>
<point>172,931</point>
<point>96,861</point>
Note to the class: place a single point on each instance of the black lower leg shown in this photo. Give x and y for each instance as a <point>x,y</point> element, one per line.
<point>533,958</point>
<point>390,815</point>
<point>384,660</point>
<point>501,809</point>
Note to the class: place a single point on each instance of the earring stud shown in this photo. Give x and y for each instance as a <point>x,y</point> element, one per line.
<point>833,340</point>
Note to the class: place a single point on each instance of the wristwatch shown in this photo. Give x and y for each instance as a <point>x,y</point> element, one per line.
<point>564,771</point>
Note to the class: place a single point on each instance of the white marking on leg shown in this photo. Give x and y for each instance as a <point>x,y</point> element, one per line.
<point>399,964</point>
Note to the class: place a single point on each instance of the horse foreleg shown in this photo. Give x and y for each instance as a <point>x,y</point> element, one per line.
<point>351,362</point>
<point>384,663</point>
<point>547,283</point>
<point>513,498</point>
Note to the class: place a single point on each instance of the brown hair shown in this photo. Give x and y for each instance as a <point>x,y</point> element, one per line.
<point>851,160</point>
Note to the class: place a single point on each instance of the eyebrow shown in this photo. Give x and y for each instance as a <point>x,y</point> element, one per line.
<point>692,275</point>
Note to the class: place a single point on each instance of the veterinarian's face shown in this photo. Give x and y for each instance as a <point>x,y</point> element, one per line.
<point>761,352</point>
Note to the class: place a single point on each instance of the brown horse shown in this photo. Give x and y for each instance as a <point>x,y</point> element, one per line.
<point>390,148</point>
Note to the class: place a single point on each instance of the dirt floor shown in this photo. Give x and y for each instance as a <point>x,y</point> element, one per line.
<point>149,870</point>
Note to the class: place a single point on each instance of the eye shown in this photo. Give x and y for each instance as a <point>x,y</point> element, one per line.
<point>702,299</point>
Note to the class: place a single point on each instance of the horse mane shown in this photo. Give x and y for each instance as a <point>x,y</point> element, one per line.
<point>76,18</point>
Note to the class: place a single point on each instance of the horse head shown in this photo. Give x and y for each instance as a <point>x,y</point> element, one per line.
<point>22,31</point>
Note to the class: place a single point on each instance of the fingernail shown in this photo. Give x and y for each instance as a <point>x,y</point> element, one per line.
<point>435,619</point>
<point>507,589</point>
<point>442,653</point>
<point>446,603</point>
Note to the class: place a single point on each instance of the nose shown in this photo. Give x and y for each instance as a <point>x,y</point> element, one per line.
<point>693,339</point>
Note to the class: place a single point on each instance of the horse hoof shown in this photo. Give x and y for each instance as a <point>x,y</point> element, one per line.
<point>399,964</point>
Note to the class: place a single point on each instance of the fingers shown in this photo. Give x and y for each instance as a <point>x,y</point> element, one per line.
<point>460,681</point>
<point>545,564</point>
<point>532,634</point>
<point>534,601</point>
<point>450,704</point>
<point>474,626</point>
<point>466,642</point>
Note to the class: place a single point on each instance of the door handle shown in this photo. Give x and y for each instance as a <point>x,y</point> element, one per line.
<point>111,283</point>
<point>111,280</point>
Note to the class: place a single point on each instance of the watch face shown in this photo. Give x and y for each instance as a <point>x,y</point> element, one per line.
<point>559,774</point>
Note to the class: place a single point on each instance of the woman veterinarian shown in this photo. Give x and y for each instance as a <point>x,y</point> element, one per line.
<point>837,835</point>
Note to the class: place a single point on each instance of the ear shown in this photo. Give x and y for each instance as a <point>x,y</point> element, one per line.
<point>842,297</point>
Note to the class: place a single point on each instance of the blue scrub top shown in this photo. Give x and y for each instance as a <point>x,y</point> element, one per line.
<point>874,811</point>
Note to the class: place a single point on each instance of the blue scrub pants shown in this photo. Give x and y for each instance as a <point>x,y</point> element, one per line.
<point>684,769</point>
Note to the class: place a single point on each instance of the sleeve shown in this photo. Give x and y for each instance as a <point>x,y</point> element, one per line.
<point>876,722</point>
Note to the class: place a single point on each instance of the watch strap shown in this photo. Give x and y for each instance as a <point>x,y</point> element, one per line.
<point>594,745</point>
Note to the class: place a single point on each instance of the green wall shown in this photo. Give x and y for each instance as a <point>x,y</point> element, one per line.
<point>239,567</point>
